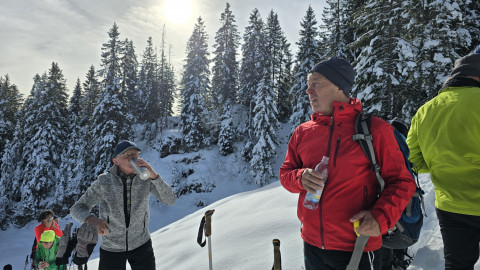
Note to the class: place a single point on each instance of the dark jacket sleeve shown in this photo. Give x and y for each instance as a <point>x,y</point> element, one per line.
<point>399,184</point>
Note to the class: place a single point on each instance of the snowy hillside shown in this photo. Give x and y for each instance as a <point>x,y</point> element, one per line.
<point>243,227</point>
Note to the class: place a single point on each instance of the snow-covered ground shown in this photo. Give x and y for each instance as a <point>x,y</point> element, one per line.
<point>243,227</point>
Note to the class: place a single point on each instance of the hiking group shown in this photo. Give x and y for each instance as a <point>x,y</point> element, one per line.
<point>359,202</point>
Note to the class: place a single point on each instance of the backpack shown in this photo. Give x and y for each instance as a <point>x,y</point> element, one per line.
<point>407,230</point>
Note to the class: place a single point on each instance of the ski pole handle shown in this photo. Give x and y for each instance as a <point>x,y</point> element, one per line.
<point>208,222</point>
<point>277,257</point>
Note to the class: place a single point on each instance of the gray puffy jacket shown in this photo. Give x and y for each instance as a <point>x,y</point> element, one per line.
<point>108,191</point>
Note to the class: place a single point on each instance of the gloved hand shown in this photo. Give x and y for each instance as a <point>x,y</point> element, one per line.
<point>87,238</point>
<point>65,245</point>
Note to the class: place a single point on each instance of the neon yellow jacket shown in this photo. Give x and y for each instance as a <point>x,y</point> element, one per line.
<point>444,140</point>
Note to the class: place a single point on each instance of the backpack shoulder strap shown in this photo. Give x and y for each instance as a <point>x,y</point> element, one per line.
<point>364,137</point>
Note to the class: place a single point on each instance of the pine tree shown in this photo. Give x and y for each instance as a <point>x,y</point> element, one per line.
<point>10,104</point>
<point>227,132</point>
<point>251,72</point>
<point>166,81</point>
<point>281,63</point>
<point>110,124</point>
<point>129,81</point>
<point>439,38</point>
<point>382,68</point>
<point>265,127</point>
<point>306,58</point>
<point>150,90</point>
<point>46,145</point>
<point>225,72</point>
<point>72,168</point>
<point>195,83</point>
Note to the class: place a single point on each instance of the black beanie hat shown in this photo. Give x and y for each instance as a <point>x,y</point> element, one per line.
<point>466,66</point>
<point>124,146</point>
<point>338,71</point>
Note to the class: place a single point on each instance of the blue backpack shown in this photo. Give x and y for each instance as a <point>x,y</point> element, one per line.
<point>407,230</point>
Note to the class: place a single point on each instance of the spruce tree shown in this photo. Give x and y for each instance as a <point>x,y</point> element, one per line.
<point>382,69</point>
<point>225,75</point>
<point>72,168</point>
<point>46,145</point>
<point>251,72</point>
<point>110,122</point>
<point>129,81</point>
<point>150,91</point>
<point>306,58</point>
<point>166,82</point>
<point>281,62</point>
<point>10,104</point>
<point>195,88</point>
<point>227,132</point>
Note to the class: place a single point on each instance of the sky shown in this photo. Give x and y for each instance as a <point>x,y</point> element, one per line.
<point>36,33</point>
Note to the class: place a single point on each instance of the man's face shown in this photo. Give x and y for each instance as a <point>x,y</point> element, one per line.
<point>322,93</point>
<point>48,221</point>
<point>123,160</point>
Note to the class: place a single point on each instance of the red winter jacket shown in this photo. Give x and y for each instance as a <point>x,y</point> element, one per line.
<point>351,185</point>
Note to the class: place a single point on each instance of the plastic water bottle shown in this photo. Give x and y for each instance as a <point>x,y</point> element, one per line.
<point>143,172</point>
<point>311,200</point>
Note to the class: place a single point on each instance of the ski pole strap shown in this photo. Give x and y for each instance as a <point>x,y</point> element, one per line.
<point>277,257</point>
<point>360,244</point>
<point>205,226</point>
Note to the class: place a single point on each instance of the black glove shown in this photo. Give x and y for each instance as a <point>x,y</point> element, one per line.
<point>65,245</point>
<point>87,238</point>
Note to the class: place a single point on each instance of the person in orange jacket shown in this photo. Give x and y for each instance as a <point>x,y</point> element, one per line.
<point>350,193</point>
<point>48,221</point>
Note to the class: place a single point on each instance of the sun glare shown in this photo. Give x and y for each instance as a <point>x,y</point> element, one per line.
<point>177,11</point>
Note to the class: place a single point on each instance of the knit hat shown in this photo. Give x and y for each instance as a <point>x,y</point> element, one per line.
<point>338,71</point>
<point>47,236</point>
<point>124,146</point>
<point>466,66</point>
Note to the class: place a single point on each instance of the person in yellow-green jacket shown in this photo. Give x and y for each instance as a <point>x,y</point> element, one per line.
<point>444,140</point>
<point>47,251</point>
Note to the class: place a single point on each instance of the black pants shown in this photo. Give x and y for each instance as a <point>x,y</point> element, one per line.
<point>141,258</point>
<point>321,259</point>
<point>461,239</point>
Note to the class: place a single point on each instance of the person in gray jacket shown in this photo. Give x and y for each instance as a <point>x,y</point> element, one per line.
<point>124,213</point>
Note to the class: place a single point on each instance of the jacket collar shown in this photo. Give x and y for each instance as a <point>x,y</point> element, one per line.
<point>340,110</point>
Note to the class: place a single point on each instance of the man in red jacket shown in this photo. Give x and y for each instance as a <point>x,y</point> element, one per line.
<point>350,193</point>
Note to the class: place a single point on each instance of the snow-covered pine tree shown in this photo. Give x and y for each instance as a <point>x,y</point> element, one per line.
<point>72,168</point>
<point>110,123</point>
<point>195,88</point>
<point>307,56</point>
<point>129,80</point>
<point>90,100</point>
<point>226,137</point>
<point>439,37</point>
<point>382,68</point>
<point>10,105</point>
<point>17,152</point>
<point>46,145</point>
<point>281,63</point>
<point>265,125</point>
<point>150,91</point>
<point>225,77</point>
<point>251,72</point>
<point>166,82</point>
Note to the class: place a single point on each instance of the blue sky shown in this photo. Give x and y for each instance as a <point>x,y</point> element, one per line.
<point>36,33</point>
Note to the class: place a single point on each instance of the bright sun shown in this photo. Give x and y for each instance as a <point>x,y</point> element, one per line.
<point>177,11</point>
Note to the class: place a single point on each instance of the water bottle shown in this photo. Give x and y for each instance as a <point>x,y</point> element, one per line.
<point>311,200</point>
<point>142,172</point>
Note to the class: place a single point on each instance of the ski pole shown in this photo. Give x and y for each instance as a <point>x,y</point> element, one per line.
<point>277,257</point>
<point>26,263</point>
<point>208,233</point>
